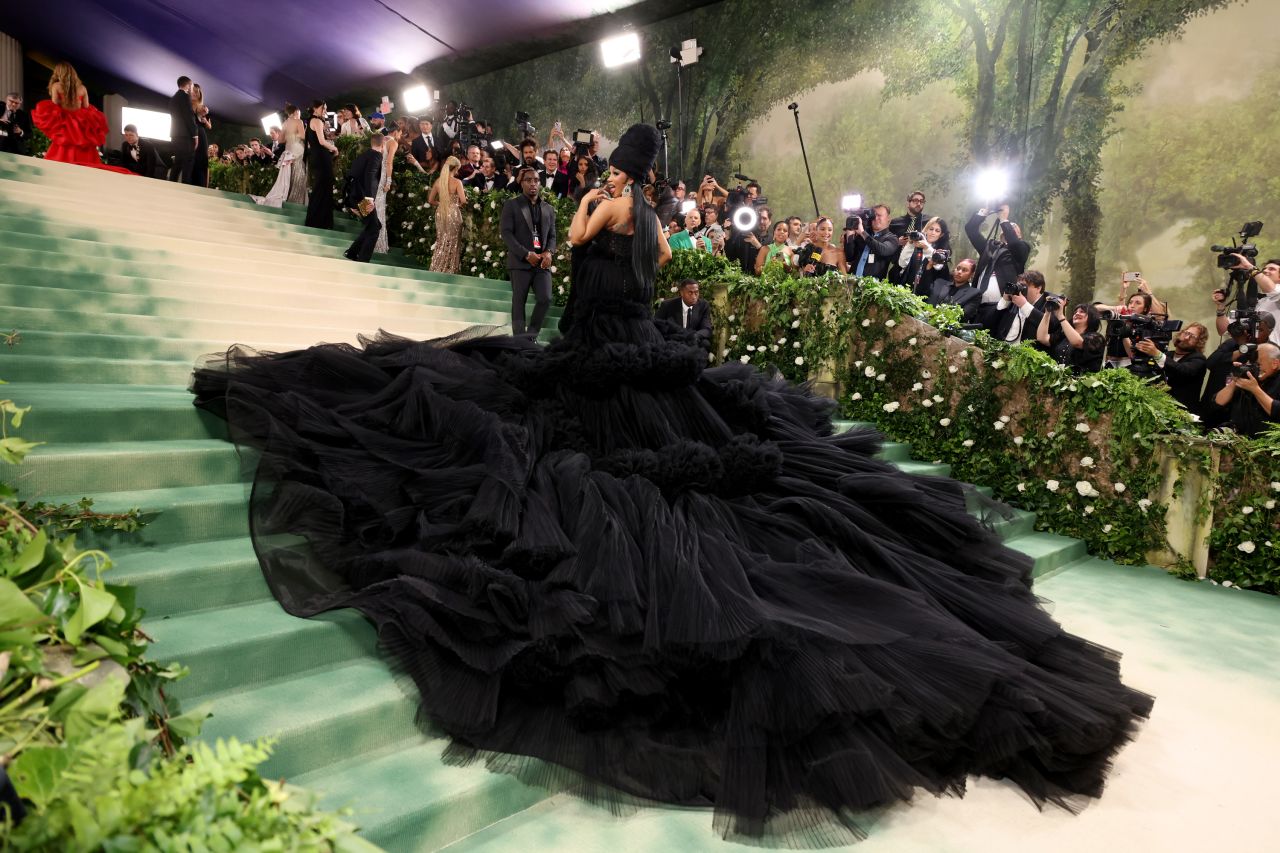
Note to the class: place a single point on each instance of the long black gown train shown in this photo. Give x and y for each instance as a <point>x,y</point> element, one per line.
<point>675,581</point>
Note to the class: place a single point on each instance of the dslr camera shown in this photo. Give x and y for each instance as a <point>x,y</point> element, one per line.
<point>940,256</point>
<point>1014,287</point>
<point>1249,368</point>
<point>865,215</point>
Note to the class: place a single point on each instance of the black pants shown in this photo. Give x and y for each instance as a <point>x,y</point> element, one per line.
<point>184,161</point>
<point>521,282</point>
<point>362,248</point>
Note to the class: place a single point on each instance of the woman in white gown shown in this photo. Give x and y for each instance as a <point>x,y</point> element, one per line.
<point>291,182</point>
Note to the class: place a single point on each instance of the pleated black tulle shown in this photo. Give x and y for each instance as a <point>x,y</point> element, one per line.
<point>673,582</point>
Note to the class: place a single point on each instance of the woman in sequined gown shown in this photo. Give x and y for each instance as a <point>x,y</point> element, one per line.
<point>448,197</point>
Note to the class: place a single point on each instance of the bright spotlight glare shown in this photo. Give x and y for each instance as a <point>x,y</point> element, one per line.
<point>269,121</point>
<point>745,218</point>
<point>852,201</point>
<point>416,99</point>
<point>151,124</point>
<point>687,205</point>
<point>992,184</point>
<point>620,50</point>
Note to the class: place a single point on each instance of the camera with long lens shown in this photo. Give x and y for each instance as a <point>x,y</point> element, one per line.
<point>1014,288</point>
<point>1243,323</point>
<point>1249,368</point>
<point>664,124</point>
<point>1249,250</point>
<point>1154,328</point>
<point>940,256</point>
<point>915,236</point>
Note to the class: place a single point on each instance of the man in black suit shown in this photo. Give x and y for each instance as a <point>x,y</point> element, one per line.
<point>689,311</point>
<point>15,125</point>
<point>871,254</point>
<point>1016,317</point>
<point>529,229</point>
<point>958,290</point>
<point>1002,258</point>
<point>138,155</point>
<point>363,175</point>
<point>183,132</point>
<point>424,140</point>
<point>488,178</point>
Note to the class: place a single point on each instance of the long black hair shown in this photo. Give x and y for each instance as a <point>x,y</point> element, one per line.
<point>644,245</point>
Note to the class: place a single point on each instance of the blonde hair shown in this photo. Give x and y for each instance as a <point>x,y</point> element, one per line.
<point>197,95</point>
<point>443,198</point>
<point>64,86</point>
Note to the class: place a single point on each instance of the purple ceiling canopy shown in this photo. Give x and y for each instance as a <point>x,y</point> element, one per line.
<point>250,56</point>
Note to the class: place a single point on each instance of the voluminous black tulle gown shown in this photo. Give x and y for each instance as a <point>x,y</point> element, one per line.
<point>673,580</point>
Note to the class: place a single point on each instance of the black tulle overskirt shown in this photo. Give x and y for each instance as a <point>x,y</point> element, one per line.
<point>673,581</point>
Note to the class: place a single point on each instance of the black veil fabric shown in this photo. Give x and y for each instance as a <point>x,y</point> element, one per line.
<point>669,581</point>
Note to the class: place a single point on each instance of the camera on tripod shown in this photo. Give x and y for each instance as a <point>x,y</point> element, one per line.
<point>1249,250</point>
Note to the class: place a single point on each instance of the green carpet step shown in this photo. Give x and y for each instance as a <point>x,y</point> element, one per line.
<point>181,514</point>
<point>1049,551</point>
<point>49,368</point>
<point>254,643</point>
<point>64,413</point>
<point>42,342</point>
<point>923,469</point>
<point>78,209</point>
<point>317,717</point>
<point>182,577</point>
<point>290,291</point>
<point>405,797</point>
<point>1019,523</point>
<point>894,451</point>
<point>126,466</point>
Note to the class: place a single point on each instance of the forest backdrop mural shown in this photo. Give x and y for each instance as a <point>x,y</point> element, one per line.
<point>1136,131</point>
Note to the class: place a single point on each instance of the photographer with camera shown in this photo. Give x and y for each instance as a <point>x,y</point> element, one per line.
<point>1266,277</point>
<point>1074,342</point>
<point>1252,393</point>
<point>1016,317</point>
<point>1184,370</point>
<point>869,245</point>
<point>1239,340</point>
<point>1001,259</point>
<point>924,257</point>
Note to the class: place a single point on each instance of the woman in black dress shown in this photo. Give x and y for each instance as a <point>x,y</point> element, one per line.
<point>673,579</point>
<point>200,169</point>
<point>320,154</point>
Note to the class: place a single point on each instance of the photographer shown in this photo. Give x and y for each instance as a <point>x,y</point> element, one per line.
<point>1073,342</point>
<point>1120,330</point>
<point>1001,259</point>
<point>923,258</point>
<point>1016,317</point>
<point>1185,369</point>
<point>1252,393</point>
<point>1266,278</point>
<point>1219,363</point>
<point>869,250</point>
<point>958,291</point>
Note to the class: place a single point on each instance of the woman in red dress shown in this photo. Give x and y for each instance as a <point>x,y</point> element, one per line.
<point>75,128</point>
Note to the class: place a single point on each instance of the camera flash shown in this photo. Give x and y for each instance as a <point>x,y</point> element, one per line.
<point>852,201</point>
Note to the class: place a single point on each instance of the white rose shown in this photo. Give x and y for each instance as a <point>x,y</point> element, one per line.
<point>951,368</point>
<point>858,363</point>
<point>998,425</point>
<point>1144,504</point>
<point>946,422</point>
<point>880,377</point>
<point>875,353</point>
<point>911,341</point>
<point>795,345</point>
<point>1088,510</point>
<point>744,359</point>
<point>1022,487</point>
<point>782,340</point>
<point>1106,528</point>
<point>723,353</point>
<point>799,359</point>
<point>926,403</point>
<point>773,348</point>
<point>751,347</point>
<point>1082,427</point>
<point>1246,510</point>
<point>926,374</point>
<point>1051,485</point>
<point>1270,505</point>
<point>869,372</point>
<point>857,396</point>
<point>1086,489</point>
<point>795,324</point>
<point>891,407</point>
<point>889,324</point>
<point>1017,439</point>
<point>865,323</point>
<point>916,387</point>
<point>1119,487</point>
<point>1247,546</point>
<point>1086,462</point>
<point>1004,419</point>
<point>937,398</point>
<point>1275,486</point>
<point>997,364</point>
<point>795,312</point>
<point>733,338</point>
<point>968,442</point>
<point>732,317</point>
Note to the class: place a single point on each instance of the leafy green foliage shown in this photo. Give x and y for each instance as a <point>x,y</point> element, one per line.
<point>248,178</point>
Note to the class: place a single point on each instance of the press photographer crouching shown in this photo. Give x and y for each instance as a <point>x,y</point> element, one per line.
<point>1016,317</point>
<point>1184,369</point>
<point>1252,393</point>
<point>1074,342</point>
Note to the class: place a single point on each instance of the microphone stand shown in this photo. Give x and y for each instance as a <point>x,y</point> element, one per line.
<point>795,111</point>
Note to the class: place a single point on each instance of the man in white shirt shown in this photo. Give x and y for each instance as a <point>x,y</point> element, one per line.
<point>1017,313</point>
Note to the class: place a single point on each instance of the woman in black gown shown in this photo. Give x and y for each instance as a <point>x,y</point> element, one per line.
<point>673,580</point>
<point>320,154</point>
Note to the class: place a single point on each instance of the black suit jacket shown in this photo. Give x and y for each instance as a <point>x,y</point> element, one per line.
<point>1186,378</point>
<point>944,292</point>
<point>419,147</point>
<point>182,121</point>
<point>16,143</point>
<point>1005,259</point>
<point>516,223</point>
<point>1001,321</point>
<point>366,170</point>
<point>672,310</point>
<point>884,250</point>
<point>147,162</point>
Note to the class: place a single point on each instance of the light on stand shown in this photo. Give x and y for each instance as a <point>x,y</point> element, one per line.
<point>851,202</point>
<point>687,205</point>
<point>269,121</point>
<point>416,99</point>
<point>150,123</point>
<point>619,50</point>
<point>745,218</point>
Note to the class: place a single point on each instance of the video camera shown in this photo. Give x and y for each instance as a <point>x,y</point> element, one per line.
<point>1053,301</point>
<point>855,213</point>
<point>581,142</point>
<point>1249,250</point>
<point>1144,327</point>
<point>1243,322</point>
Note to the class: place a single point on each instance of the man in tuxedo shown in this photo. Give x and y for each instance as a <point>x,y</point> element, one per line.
<point>488,178</point>
<point>871,253</point>
<point>529,229</point>
<point>138,155</point>
<point>1002,258</point>
<point>363,175</point>
<point>277,144</point>
<point>689,311</point>
<point>423,141</point>
<point>183,132</point>
<point>15,125</point>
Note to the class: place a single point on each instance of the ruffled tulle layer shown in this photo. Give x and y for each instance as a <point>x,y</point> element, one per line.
<point>74,135</point>
<point>673,581</point>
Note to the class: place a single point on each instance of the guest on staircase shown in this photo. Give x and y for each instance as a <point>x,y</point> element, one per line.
<point>75,127</point>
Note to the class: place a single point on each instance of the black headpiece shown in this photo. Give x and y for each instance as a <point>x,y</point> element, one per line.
<point>637,151</point>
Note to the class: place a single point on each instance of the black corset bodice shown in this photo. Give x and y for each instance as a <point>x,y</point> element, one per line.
<point>609,256</point>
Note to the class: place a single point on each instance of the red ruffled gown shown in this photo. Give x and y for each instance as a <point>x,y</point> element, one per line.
<point>74,135</point>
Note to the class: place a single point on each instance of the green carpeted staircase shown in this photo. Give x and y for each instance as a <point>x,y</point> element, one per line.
<point>116,285</point>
